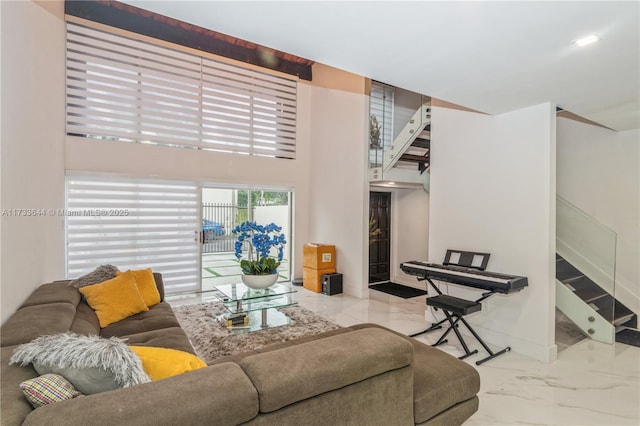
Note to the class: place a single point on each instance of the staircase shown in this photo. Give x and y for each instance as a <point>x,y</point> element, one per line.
<point>412,143</point>
<point>405,146</point>
<point>588,305</point>
<point>419,151</point>
<point>409,152</point>
<point>585,275</point>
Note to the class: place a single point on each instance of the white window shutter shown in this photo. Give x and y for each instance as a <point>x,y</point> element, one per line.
<point>121,88</point>
<point>134,224</point>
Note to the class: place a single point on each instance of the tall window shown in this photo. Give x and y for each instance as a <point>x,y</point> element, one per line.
<point>381,107</point>
<point>380,124</point>
<point>125,89</point>
<point>133,224</point>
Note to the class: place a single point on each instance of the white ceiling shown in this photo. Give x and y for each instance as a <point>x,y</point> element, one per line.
<point>490,56</point>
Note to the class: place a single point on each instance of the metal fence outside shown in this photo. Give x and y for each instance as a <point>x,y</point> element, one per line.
<point>218,220</point>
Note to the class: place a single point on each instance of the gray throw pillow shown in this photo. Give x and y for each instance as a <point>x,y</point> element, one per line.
<point>87,380</point>
<point>92,364</point>
<point>98,275</point>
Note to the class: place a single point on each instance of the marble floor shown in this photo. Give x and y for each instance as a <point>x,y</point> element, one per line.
<point>591,383</point>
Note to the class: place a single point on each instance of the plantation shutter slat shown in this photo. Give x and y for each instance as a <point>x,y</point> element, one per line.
<point>156,127</point>
<point>153,70</point>
<point>100,43</point>
<point>160,229</point>
<point>158,118</point>
<point>128,95</point>
<point>121,88</point>
<point>131,137</point>
<point>245,85</point>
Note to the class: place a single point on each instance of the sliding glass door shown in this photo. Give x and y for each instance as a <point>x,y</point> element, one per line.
<point>225,208</point>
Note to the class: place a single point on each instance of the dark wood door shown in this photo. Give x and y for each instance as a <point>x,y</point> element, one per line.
<point>380,236</point>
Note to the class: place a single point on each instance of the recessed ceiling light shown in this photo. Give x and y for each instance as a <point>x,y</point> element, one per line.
<point>587,40</point>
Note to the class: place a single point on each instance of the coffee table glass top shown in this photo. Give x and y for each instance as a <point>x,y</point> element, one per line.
<point>258,305</point>
<point>240,298</point>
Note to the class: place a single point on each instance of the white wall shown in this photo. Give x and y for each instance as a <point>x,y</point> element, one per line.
<point>409,233</point>
<point>32,147</point>
<point>599,172</point>
<point>339,186</point>
<point>493,190</point>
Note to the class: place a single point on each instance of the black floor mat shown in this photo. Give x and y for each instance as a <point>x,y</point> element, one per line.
<point>398,290</point>
<point>628,336</point>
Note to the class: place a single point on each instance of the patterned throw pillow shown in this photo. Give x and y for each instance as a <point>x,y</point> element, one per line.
<point>48,389</point>
<point>98,275</point>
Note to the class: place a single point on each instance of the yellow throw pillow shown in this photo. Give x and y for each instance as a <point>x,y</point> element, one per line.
<point>114,299</point>
<point>146,285</point>
<point>160,363</point>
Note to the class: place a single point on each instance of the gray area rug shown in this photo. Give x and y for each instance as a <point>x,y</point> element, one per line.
<point>212,340</point>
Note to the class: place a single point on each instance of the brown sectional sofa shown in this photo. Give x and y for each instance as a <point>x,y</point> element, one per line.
<point>360,375</point>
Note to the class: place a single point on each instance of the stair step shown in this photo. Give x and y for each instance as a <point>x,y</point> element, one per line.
<point>624,320</point>
<point>628,336</point>
<point>586,289</point>
<point>415,158</point>
<point>606,305</point>
<point>612,310</point>
<point>631,322</point>
<point>421,143</point>
<point>566,271</point>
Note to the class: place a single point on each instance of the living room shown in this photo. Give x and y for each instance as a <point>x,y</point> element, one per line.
<point>327,177</point>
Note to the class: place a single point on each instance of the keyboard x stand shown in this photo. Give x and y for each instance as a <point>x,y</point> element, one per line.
<point>454,309</point>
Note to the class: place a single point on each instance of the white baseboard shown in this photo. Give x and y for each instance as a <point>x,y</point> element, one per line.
<point>498,341</point>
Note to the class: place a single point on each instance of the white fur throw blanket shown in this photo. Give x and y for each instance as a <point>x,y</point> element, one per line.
<point>70,350</point>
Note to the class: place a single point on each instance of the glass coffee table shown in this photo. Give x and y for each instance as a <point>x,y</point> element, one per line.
<point>259,305</point>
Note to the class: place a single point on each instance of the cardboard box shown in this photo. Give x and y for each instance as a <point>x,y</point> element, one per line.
<point>319,256</point>
<point>312,278</point>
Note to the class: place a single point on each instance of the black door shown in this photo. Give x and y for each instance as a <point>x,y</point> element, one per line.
<point>379,236</point>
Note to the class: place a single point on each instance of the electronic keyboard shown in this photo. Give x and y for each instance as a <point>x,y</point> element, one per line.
<point>470,277</point>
